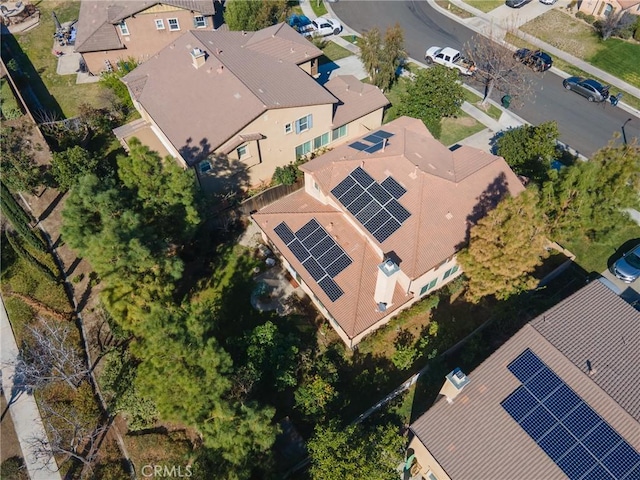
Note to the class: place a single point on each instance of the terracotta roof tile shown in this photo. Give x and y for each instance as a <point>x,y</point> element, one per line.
<point>357,99</point>
<point>474,437</point>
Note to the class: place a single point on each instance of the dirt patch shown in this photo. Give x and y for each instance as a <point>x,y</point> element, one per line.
<point>465,121</point>
<point>9,445</point>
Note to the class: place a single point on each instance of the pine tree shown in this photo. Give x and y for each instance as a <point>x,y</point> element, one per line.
<point>505,247</point>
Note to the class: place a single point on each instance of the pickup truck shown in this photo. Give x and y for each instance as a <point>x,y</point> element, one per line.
<point>321,27</point>
<point>450,58</point>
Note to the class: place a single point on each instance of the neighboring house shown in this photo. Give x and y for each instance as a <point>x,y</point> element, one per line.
<point>559,400</point>
<point>603,8</point>
<point>380,220</point>
<point>112,30</point>
<point>236,105</point>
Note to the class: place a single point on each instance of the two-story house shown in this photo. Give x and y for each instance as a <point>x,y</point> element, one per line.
<point>604,8</point>
<point>236,105</point>
<point>380,220</point>
<point>559,400</point>
<point>109,31</point>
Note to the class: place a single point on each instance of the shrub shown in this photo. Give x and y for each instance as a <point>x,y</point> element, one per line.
<point>286,175</point>
<point>590,19</point>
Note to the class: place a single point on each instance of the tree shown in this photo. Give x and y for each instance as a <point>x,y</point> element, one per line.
<point>505,247</point>
<point>497,68</point>
<point>252,15</point>
<point>166,192</point>
<point>68,166</point>
<point>19,169</point>
<point>434,94</point>
<point>51,356</point>
<point>382,57</point>
<point>355,452</point>
<point>587,199</point>
<point>529,149</point>
<point>615,23</point>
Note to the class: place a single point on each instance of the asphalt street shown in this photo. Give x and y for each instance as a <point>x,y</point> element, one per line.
<point>584,126</point>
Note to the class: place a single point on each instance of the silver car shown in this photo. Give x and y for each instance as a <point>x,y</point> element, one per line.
<point>627,268</point>
<point>587,87</point>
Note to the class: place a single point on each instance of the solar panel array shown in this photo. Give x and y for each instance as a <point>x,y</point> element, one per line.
<point>565,427</point>
<point>375,205</point>
<point>376,142</point>
<point>319,254</point>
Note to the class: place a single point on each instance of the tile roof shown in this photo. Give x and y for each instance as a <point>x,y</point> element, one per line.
<point>97,18</point>
<point>474,437</point>
<point>357,99</point>
<point>238,82</point>
<point>442,210</point>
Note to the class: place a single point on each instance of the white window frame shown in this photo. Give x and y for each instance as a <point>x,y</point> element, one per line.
<point>242,151</point>
<point>305,149</point>
<point>171,26</point>
<point>200,24</point>
<point>124,30</point>
<point>288,128</point>
<point>159,24</point>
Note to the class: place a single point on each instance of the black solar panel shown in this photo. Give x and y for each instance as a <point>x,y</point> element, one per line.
<point>568,430</point>
<point>359,203</point>
<point>362,177</point>
<point>386,230</point>
<point>359,146</point>
<point>330,256</point>
<point>331,288</point>
<point>353,193</point>
<point>398,211</point>
<point>383,134</point>
<point>368,212</point>
<point>342,262</point>
<point>376,147</point>
<point>298,250</point>
<point>316,237</point>
<point>393,187</point>
<point>285,233</point>
<point>322,247</point>
<point>313,268</point>
<point>377,221</point>
<point>343,187</point>
<point>379,193</point>
<point>307,229</point>
<point>373,138</point>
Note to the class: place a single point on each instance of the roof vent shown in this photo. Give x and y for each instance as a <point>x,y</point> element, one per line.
<point>220,68</point>
<point>198,57</point>
<point>448,216</point>
<point>454,382</point>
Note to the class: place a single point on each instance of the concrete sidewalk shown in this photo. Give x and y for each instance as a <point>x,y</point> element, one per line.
<point>22,406</point>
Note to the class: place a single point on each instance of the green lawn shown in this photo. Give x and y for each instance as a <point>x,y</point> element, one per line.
<point>456,129</point>
<point>485,5</point>
<point>460,12</point>
<point>8,102</point>
<point>620,58</point>
<point>491,110</point>
<point>318,7</point>
<point>332,52</point>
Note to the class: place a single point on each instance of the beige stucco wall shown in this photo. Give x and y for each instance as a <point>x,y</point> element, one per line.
<point>144,40</point>
<point>597,7</point>
<point>426,460</point>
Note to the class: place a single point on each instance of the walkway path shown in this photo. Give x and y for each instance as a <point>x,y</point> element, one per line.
<point>22,406</point>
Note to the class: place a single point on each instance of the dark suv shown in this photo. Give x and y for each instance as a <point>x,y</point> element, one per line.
<point>537,60</point>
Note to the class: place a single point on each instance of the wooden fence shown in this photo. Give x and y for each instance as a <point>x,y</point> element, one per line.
<point>267,197</point>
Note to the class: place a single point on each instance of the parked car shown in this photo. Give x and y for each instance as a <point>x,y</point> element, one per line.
<point>321,27</point>
<point>548,2</point>
<point>516,3</point>
<point>537,60</point>
<point>593,90</point>
<point>450,58</point>
<point>627,268</point>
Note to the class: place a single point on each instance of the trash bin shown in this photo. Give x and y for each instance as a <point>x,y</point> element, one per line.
<point>506,101</point>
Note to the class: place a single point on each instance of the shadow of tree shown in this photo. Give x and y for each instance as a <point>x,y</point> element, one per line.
<point>487,201</point>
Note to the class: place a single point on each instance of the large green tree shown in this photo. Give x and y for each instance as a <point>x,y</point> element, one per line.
<point>529,149</point>
<point>380,56</point>
<point>434,94</point>
<point>68,166</point>
<point>587,199</point>
<point>252,15</point>
<point>505,247</point>
<point>355,452</point>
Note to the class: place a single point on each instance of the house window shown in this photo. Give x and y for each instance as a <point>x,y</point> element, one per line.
<point>124,30</point>
<point>608,10</point>
<point>159,24</point>
<point>321,141</point>
<point>338,133</point>
<point>199,21</point>
<point>304,123</point>
<point>173,24</point>
<point>431,476</point>
<point>242,151</point>
<point>205,167</point>
<point>303,149</point>
<point>450,272</point>
<point>428,287</point>
<point>288,128</point>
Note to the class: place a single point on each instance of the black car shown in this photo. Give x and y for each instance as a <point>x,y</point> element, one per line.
<point>537,60</point>
<point>593,90</point>
<point>516,3</point>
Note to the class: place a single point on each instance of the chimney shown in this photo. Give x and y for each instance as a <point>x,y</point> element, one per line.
<point>198,57</point>
<point>388,273</point>
<point>453,385</point>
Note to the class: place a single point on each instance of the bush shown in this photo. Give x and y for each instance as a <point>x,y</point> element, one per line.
<point>286,175</point>
<point>590,19</point>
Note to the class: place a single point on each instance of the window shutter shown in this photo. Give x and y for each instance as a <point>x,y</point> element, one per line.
<point>297,126</point>
<point>310,121</point>
<point>205,20</point>
<point>195,22</point>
